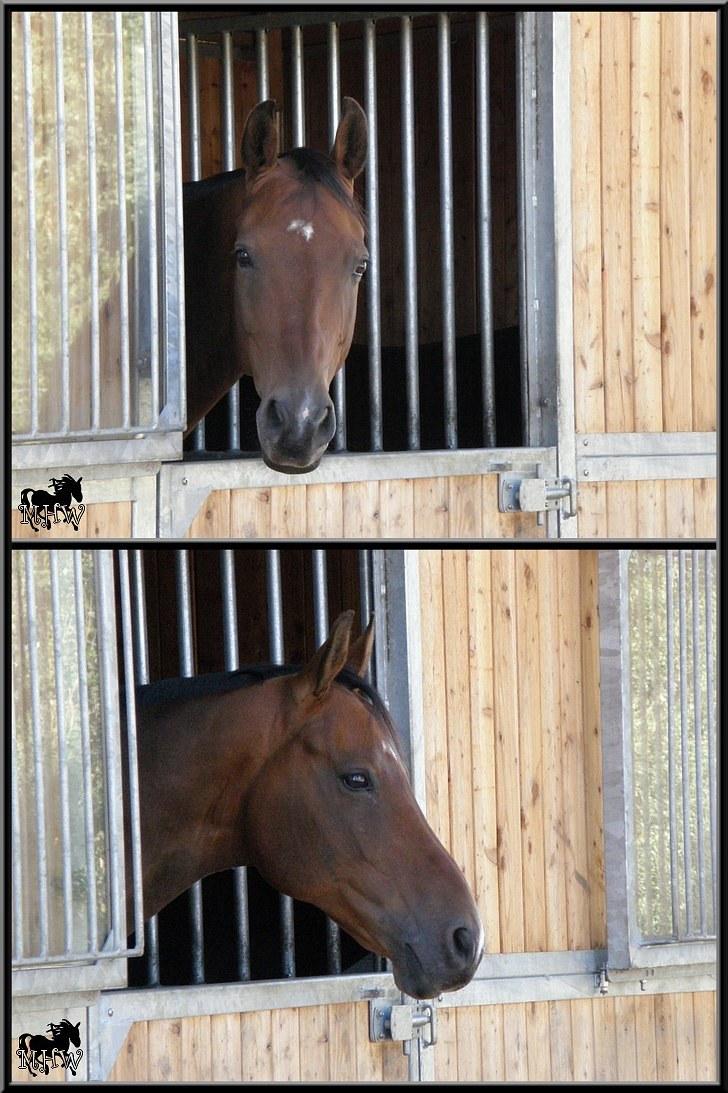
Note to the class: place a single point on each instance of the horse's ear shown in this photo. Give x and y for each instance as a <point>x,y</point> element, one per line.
<point>315,679</point>
<point>360,651</point>
<point>259,149</point>
<point>349,152</point>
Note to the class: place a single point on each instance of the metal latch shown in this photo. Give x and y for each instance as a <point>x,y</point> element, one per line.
<point>405,1022</point>
<point>519,494</point>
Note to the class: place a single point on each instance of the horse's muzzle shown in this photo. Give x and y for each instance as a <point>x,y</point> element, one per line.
<point>424,967</point>
<point>294,431</point>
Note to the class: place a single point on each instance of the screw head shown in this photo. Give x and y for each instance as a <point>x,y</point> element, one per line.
<point>586,473</point>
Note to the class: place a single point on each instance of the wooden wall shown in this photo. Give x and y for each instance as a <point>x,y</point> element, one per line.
<point>673,508</point>
<point>106,520</point>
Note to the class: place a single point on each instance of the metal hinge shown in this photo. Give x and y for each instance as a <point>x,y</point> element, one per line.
<point>407,1022</point>
<point>519,494</point>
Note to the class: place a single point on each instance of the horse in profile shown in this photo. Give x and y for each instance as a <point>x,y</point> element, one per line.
<point>297,772</point>
<point>65,489</point>
<point>274,253</point>
<point>62,1035</point>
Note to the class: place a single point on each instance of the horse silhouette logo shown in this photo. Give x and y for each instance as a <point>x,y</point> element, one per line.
<point>39,508</point>
<point>35,1053</point>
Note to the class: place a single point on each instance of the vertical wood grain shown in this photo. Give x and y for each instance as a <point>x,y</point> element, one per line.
<point>213,519</point>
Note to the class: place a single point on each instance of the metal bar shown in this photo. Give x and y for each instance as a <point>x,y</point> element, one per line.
<point>334,97</point>
<point>261,62</point>
<point>321,631</point>
<point>123,242</point>
<point>409,226</point>
<point>275,641</point>
<point>193,89</point>
<point>373,275</point>
<point>93,220</point>
<point>32,253</point>
<point>232,661</point>
<point>40,816</point>
<point>484,233</point>
<point>522,186</point>
<point>299,121</point>
<point>109,692</point>
<point>141,670</point>
<point>684,756</point>
<point>127,616</point>
<point>671,745</point>
<point>62,223</point>
<point>187,668</point>
<point>80,621</point>
<point>698,716</point>
<point>227,103</point>
<point>17,852</point>
<point>447,232</point>
<point>59,674</point>
<point>710,719</point>
<point>151,176</point>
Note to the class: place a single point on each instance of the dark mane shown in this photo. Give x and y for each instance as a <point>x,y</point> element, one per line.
<point>318,167</point>
<point>205,187</point>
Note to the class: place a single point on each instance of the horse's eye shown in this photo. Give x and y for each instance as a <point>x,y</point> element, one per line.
<point>356,780</point>
<point>361,268</point>
<point>242,257</point>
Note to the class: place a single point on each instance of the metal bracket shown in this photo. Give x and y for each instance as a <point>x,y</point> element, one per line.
<point>406,1022</point>
<point>519,494</point>
<point>601,980</point>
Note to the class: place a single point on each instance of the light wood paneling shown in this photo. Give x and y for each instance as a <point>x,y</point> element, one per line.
<point>107,520</point>
<point>678,508</point>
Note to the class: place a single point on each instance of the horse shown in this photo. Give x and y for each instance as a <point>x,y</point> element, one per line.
<point>297,772</point>
<point>62,1035</point>
<point>274,254</point>
<point>64,490</point>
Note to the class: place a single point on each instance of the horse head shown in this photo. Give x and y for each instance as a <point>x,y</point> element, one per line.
<point>348,835</point>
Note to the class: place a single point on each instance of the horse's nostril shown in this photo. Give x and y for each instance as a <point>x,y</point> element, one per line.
<point>463,940</point>
<point>274,413</point>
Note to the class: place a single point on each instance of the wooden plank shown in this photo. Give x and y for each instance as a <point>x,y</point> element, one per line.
<point>679,509</point>
<point>665,1038</point>
<point>288,512</point>
<point>256,1046</point>
<point>285,1049</point>
<point>592,510</point>
<point>703,226</point>
<point>605,1040</point>
<point>562,1055</point>
<point>361,510</point>
<point>582,1035</point>
<point>553,796</point>
<point>368,1055</point>
<point>624,1024</point>
<point>492,1047</point>
<point>225,1048</point>
<point>650,510</point>
<point>213,519</point>
<point>675,214</point>
<point>685,1033</point>
<point>615,126</point>
<point>397,509</point>
<point>587,225</point>
<point>572,751</point>
<point>621,510</point>
<point>434,701</point>
<point>313,1026</point>
<point>431,508</point>
<point>645,175</point>
<point>196,1049</point>
<point>516,1039</point>
<point>165,1051</point>
<point>342,1045</point>
<point>446,1048</point>
<point>485,819</point>
<point>530,744</point>
<point>469,1062</point>
<point>705,1036</point>
<point>591,718</point>
<point>465,507</point>
<point>645,1036</point>
<point>250,514</point>
<point>505,667</point>
<point>325,511</point>
<point>539,1042</point>
<point>704,505</point>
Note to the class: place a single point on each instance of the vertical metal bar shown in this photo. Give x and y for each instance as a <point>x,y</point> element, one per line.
<point>92,216</point>
<point>366,597</point>
<point>38,750</point>
<point>62,223</point>
<point>321,630</point>
<point>671,743</point>
<point>187,668</point>
<point>32,243</point>
<point>261,62</point>
<point>141,669</point>
<point>523,107</point>
<point>698,716</point>
<point>232,661</point>
<point>710,720</point>
<point>409,227</point>
<point>193,86</point>
<point>484,237</point>
<point>80,621</point>
<point>59,672</point>
<point>447,233</point>
<point>684,756</point>
<point>17,896</point>
<point>109,691</point>
<point>299,120</point>
<point>151,176</point>
<point>127,614</point>
<point>123,244</point>
<point>227,97</point>
<point>275,643</point>
<point>334,81</point>
<point>373,275</point>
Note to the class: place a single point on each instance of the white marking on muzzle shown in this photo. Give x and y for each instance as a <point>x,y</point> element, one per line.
<point>301,227</point>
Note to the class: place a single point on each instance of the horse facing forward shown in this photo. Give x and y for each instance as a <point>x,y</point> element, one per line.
<point>299,774</point>
<point>274,254</point>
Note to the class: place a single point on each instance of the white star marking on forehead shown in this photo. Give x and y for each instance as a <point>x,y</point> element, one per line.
<point>301,227</point>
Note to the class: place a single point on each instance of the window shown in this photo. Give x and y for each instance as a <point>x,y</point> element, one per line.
<point>658,620</point>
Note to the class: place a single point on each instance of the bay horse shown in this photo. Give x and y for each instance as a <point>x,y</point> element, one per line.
<point>274,253</point>
<point>297,771</point>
